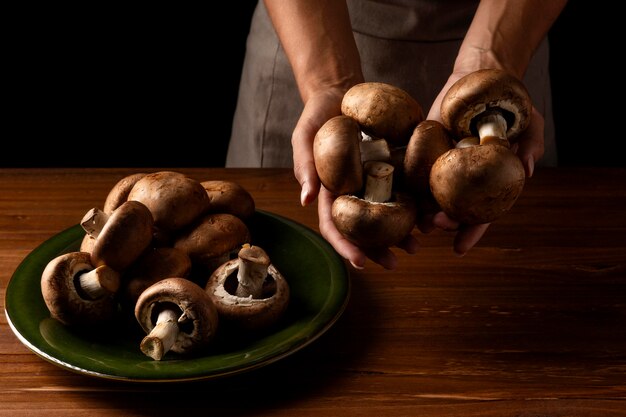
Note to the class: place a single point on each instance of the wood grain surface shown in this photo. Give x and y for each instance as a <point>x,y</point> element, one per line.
<point>531,322</point>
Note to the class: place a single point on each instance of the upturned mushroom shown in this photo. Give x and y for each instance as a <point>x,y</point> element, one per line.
<point>383,111</point>
<point>174,199</point>
<point>229,197</point>
<point>490,103</point>
<point>212,239</point>
<point>178,316</point>
<point>77,293</point>
<point>381,218</point>
<point>120,238</point>
<point>476,184</point>
<point>249,292</point>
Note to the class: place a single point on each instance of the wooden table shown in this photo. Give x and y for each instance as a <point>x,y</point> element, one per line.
<point>532,322</point>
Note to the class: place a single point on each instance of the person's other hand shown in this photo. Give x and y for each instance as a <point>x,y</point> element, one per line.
<point>529,148</point>
<point>317,110</point>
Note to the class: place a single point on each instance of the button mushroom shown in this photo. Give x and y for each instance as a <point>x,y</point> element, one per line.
<point>121,237</point>
<point>488,103</point>
<point>249,292</point>
<point>177,315</point>
<point>229,197</point>
<point>478,183</point>
<point>428,142</point>
<point>383,111</point>
<point>153,266</point>
<point>211,240</point>
<point>174,199</point>
<point>77,293</point>
<point>381,218</point>
<point>119,193</point>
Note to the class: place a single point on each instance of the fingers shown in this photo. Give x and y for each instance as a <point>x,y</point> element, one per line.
<point>303,162</point>
<point>530,145</point>
<point>467,235</point>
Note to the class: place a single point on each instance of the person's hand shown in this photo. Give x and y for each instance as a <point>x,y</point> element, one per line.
<point>318,109</point>
<point>529,148</point>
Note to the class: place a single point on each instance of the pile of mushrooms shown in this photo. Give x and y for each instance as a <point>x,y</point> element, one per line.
<point>161,251</point>
<point>355,157</point>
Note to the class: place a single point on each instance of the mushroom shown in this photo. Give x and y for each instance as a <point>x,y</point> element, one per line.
<point>177,315</point>
<point>121,237</point>
<point>383,111</point>
<point>339,151</point>
<point>488,103</point>
<point>249,292</point>
<point>337,155</point>
<point>229,197</point>
<point>212,239</point>
<point>151,267</point>
<point>119,193</point>
<point>381,218</point>
<point>428,142</point>
<point>477,183</point>
<point>174,199</point>
<point>77,293</point>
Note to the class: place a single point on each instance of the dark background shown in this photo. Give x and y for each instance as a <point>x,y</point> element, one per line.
<point>101,87</point>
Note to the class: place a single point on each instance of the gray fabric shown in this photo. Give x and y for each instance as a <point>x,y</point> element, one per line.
<point>413,46</point>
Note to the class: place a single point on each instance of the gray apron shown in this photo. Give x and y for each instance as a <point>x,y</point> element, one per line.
<point>411,44</point>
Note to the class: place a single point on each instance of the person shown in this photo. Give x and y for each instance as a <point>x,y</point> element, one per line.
<point>302,56</point>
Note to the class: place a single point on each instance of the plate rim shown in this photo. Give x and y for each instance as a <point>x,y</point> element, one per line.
<point>312,235</point>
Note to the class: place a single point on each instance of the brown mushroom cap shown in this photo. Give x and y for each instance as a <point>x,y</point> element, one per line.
<point>199,321</point>
<point>370,224</point>
<point>210,241</point>
<point>428,142</point>
<point>126,234</point>
<point>247,313</point>
<point>174,199</point>
<point>481,91</point>
<point>119,192</point>
<point>383,111</point>
<point>337,155</point>
<point>151,267</point>
<point>64,298</point>
<point>477,184</point>
<point>229,197</point>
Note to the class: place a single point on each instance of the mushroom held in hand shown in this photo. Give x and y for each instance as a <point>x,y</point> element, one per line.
<point>76,293</point>
<point>178,315</point>
<point>488,103</point>
<point>428,142</point>
<point>249,292</point>
<point>379,219</point>
<point>383,111</point>
<point>476,184</point>
<point>121,237</point>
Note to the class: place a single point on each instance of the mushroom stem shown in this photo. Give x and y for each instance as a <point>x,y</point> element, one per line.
<point>253,264</point>
<point>373,149</point>
<point>162,336</point>
<point>93,222</point>
<point>491,126</point>
<point>99,282</point>
<point>378,183</point>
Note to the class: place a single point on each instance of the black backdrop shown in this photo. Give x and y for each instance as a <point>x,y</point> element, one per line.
<point>158,87</point>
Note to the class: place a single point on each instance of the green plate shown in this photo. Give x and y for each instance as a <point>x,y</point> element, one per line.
<point>318,280</point>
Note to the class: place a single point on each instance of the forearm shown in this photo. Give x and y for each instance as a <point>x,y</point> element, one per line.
<point>317,38</point>
<point>505,33</point>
